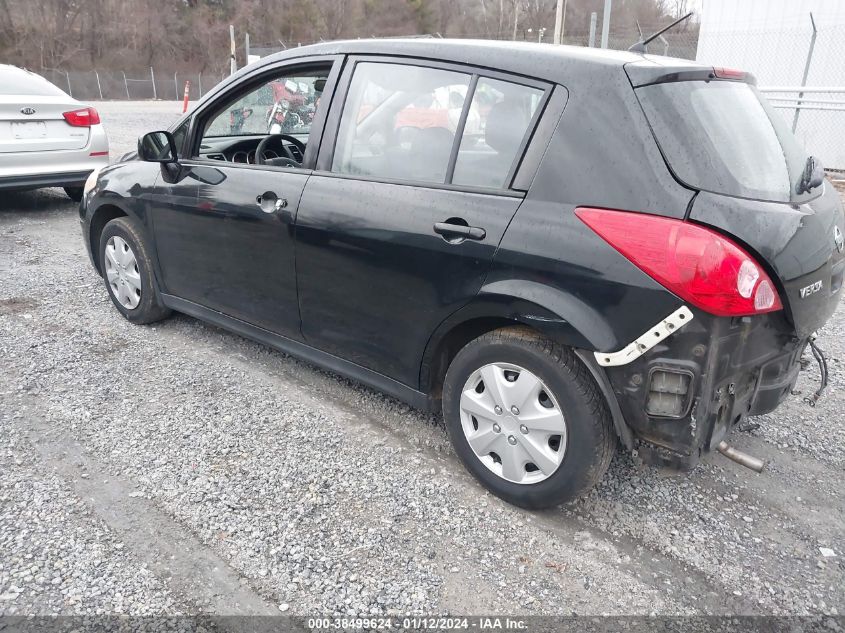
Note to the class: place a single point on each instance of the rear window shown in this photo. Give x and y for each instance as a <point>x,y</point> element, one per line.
<point>721,136</point>
<point>19,82</point>
<point>498,118</point>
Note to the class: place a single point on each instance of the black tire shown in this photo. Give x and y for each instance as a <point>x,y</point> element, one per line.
<point>149,308</point>
<point>74,193</point>
<point>591,440</point>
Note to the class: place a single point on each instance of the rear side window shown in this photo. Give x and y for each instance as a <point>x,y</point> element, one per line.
<point>14,81</point>
<point>496,124</point>
<point>723,137</point>
<point>399,122</point>
<point>430,125</point>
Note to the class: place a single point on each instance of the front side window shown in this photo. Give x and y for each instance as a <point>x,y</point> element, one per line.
<point>179,135</point>
<point>399,122</point>
<point>283,105</point>
<point>499,117</point>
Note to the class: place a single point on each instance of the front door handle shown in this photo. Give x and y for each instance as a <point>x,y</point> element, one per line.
<point>455,230</point>
<point>270,202</point>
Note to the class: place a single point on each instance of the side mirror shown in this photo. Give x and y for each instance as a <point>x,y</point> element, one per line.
<point>157,147</point>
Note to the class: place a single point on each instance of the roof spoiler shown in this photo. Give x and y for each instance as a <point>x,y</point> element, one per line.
<point>647,72</point>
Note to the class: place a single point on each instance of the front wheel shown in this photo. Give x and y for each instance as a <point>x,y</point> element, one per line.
<point>128,272</point>
<point>526,418</point>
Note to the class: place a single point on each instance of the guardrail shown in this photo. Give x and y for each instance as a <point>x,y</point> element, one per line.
<point>820,111</point>
<point>802,102</point>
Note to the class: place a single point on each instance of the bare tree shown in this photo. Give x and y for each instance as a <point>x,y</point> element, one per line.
<point>677,8</point>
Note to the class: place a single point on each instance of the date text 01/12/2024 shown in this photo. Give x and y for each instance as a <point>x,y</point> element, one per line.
<point>418,622</point>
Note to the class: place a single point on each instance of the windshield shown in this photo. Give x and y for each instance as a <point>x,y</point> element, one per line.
<point>721,136</point>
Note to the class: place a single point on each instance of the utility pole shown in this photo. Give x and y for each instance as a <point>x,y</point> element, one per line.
<point>798,102</point>
<point>593,19</point>
<point>560,21</point>
<point>246,47</point>
<point>233,65</point>
<point>605,23</point>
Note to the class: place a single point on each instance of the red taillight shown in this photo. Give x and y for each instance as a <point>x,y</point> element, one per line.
<point>728,73</point>
<point>84,117</point>
<point>697,264</point>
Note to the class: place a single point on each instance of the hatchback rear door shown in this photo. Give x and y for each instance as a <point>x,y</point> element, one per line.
<point>721,137</point>
<point>412,194</point>
<point>32,115</point>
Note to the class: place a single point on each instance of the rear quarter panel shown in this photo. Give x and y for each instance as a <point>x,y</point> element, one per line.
<point>601,154</point>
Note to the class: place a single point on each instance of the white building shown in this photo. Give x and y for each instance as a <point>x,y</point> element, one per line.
<point>771,39</point>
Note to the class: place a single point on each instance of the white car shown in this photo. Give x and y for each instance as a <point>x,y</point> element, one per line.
<point>47,138</point>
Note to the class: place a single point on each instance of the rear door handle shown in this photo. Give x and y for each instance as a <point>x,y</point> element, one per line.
<point>459,232</point>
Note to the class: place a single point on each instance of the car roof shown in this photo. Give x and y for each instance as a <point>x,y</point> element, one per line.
<point>543,61</point>
<point>8,68</point>
<point>578,68</point>
<point>20,81</point>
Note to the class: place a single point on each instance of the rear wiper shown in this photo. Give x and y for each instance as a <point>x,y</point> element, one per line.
<point>640,47</point>
<point>812,176</point>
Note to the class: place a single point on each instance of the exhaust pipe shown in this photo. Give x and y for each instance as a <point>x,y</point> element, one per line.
<point>744,459</point>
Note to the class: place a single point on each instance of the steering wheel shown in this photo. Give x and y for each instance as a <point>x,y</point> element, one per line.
<point>259,151</point>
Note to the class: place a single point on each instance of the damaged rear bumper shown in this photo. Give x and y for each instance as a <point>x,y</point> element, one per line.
<point>682,396</point>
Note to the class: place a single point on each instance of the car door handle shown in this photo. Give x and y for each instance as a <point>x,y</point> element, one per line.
<point>452,231</point>
<point>270,202</point>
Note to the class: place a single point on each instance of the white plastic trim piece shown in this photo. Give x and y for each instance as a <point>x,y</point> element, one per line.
<point>675,321</point>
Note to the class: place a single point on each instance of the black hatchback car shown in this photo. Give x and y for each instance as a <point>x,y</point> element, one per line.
<point>562,248</point>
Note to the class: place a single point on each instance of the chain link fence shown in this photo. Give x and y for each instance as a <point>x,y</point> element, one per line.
<point>168,85</point>
<point>802,73</point>
<point>782,60</point>
<point>94,85</point>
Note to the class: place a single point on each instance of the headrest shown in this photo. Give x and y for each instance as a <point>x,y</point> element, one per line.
<point>505,126</point>
<point>432,139</point>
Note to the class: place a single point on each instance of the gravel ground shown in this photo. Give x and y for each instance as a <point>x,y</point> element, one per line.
<point>182,469</point>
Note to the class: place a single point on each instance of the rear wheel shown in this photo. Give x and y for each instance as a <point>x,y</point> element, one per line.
<point>74,193</point>
<point>526,418</point>
<point>128,272</point>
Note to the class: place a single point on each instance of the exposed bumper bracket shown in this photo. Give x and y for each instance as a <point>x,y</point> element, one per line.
<point>663,329</point>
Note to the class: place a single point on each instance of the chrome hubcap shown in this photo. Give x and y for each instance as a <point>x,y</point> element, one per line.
<point>513,423</point>
<point>122,272</point>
